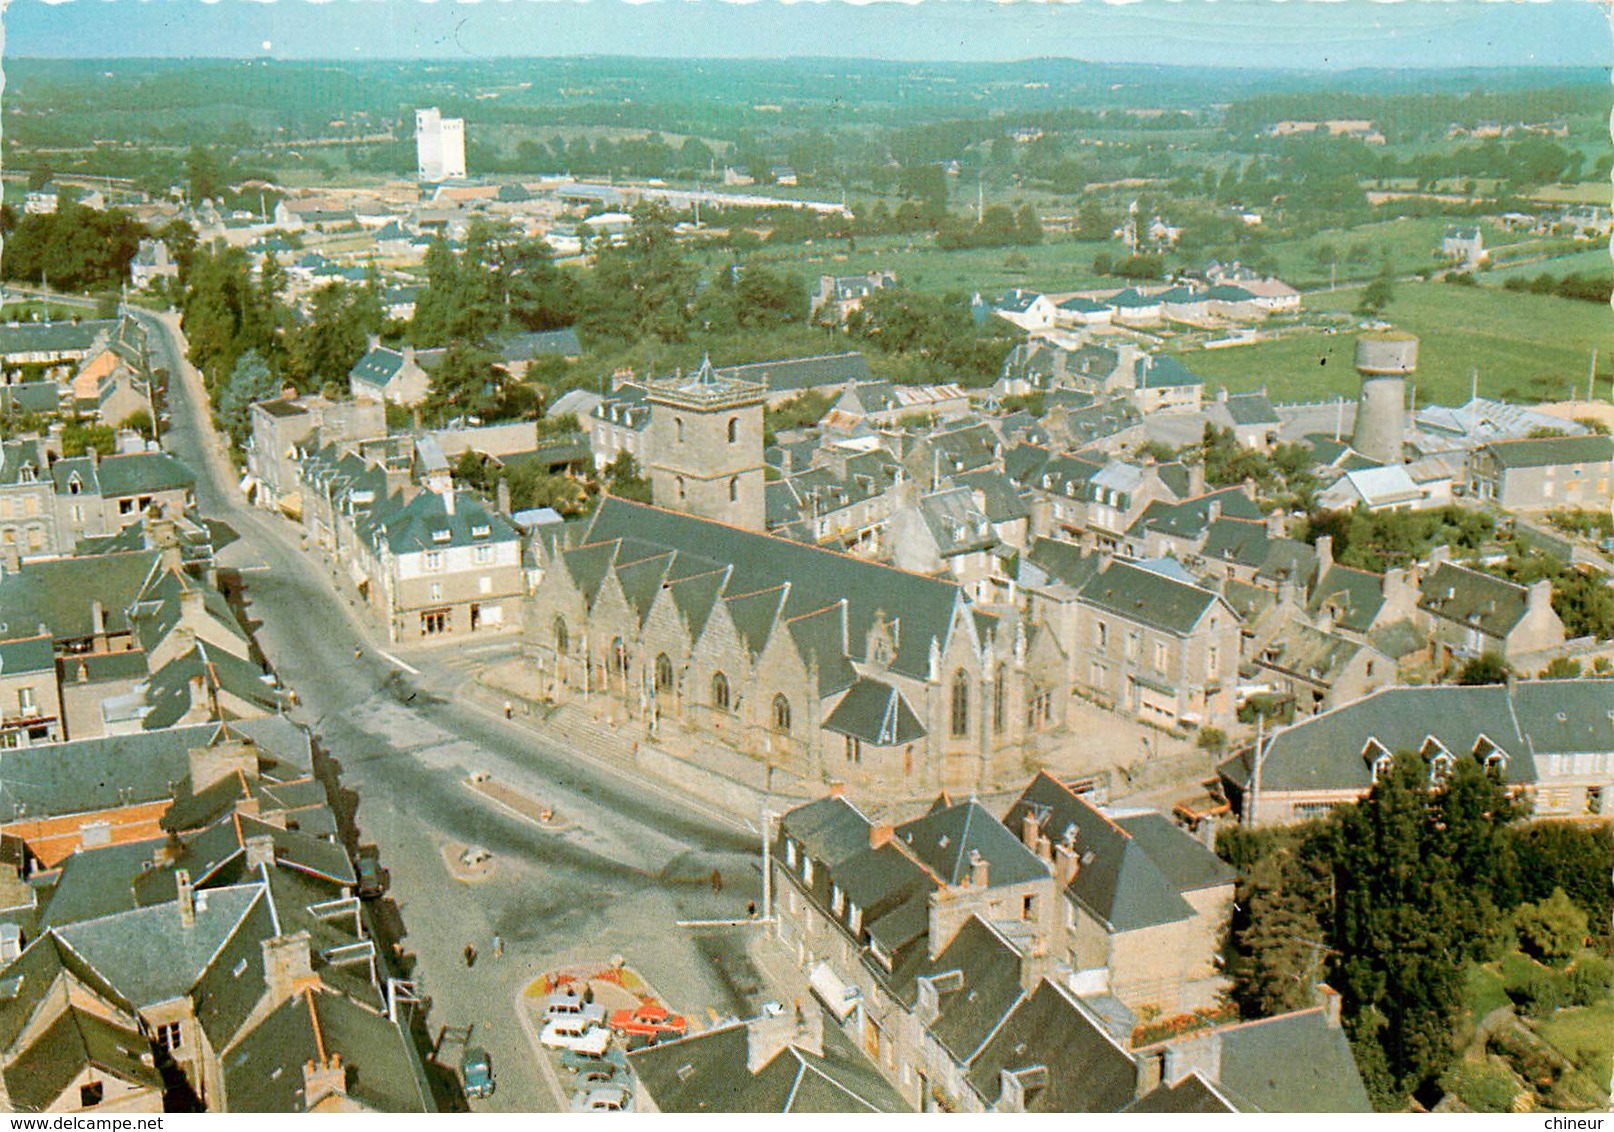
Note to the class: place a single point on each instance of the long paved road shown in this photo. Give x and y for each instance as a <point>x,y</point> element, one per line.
<point>636,859</point>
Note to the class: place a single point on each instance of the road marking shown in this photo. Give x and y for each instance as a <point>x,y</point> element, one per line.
<point>506,647</point>
<point>409,668</point>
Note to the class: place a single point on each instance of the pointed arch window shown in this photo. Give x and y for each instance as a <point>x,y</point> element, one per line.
<point>563,638</point>
<point>961,704</point>
<point>720,691</point>
<point>734,429</point>
<point>781,714</point>
<point>664,673</point>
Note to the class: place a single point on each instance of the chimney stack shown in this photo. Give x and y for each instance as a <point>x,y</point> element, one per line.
<point>880,835</point>
<point>260,851</point>
<point>187,898</point>
<point>1066,863</point>
<point>768,1035</point>
<point>979,869</point>
<point>1029,833</point>
<point>288,966</point>
<point>1331,1000</point>
<point>1325,555</point>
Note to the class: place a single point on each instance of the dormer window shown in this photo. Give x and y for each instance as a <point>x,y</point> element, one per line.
<point>790,853</point>
<point>837,899</point>
<point>26,473</point>
<point>482,531</point>
<point>74,484</point>
<point>1382,765</point>
<point>1440,767</point>
<point>442,536</point>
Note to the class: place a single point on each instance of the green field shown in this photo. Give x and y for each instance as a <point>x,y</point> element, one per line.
<point>1525,347</point>
<point>1589,192</point>
<point>1054,266</point>
<point>1593,262</point>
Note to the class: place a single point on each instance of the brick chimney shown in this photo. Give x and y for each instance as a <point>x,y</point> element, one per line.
<point>1066,864</point>
<point>880,835</point>
<point>288,966</point>
<point>837,789</point>
<point>979,869</point>
<point>1325,555</point>
<point>323,1079</point>
<point>767,1036</point>
<point>186,898</point>
<point>1029,831</point>
<point>260,851</point>
<point>1202,1051</point>
<point>1331,1000</point>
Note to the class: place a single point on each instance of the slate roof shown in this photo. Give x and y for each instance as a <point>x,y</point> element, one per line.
<point>144,956</point>
<point>542,343</point>
<point>31,397</point>
<point>1191,1095</point>
<point>1062,562</point>
<point>1164,372</point>
<point>978,983</point>
<point>57,594</point>
<point>1552,451</point>
<point>1086,1070</point>
<point>706,1073</point>
<point>1293,1063</point>
<point>1326,751</point>
<point>876,713</point>
<point>1251,409</point>
<point>76,1040</point>
<point>1472,598</point>
<point>1118,879</point>
<point>803,373</point>
<point>140,473</point>
<point>1002,500</point>
<point>27,654</point>
<point>416,526</point>
<point>263,1073</point>
<point>817,578</point>
<point>947,838</point>
<point>58,337</point>
<point>1192,517</point>
<point>829,830</point>
<point>1355,596</point>
<point>1138,594</point>
<point>377,367</point>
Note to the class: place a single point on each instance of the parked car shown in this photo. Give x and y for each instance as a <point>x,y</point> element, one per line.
<point>476,1071</point>
<point>574,1033</point>
<point>372,878</point>
<point>572,1006</point>
<point>650,1019</point>
<point>606,1098</point>
<point>606,1074</point>
<point>583,1060</point>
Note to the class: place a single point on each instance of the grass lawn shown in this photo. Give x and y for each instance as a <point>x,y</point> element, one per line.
<point>1525,347</point>
<point>1585,1035</point>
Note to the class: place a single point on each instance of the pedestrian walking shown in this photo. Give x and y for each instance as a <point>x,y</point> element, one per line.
<point>751,909</point>
<point>470,957</point>
<point>498,946</point>
<point>509,710</point>
<point>358,653</point>
<point>717,881</point>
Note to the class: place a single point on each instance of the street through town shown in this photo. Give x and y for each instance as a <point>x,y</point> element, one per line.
<point>632,856</point>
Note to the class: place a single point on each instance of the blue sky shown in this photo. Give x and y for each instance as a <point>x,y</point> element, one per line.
<point>1247,33</point>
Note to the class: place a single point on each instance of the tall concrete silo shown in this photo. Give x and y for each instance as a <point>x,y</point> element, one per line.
<point>1383,360</point>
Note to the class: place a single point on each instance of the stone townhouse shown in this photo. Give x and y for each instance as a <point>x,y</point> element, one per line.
<point>51,344</point>
<point>818,663</point>
<point>1178,529</point>
<point>1165,385</point>
<point>1469,613</point>
<point>437,563</point>
<point>30,702</point>
<point>222,963</point>
<point>945,532</point>
<point>1544,474</point>
<point>1084,498</point>
<point>396,376</point>
<point>1550,740</point>
<point>282,426</point>
<point>620,423</point>
<point>1153,646</point>
<point>950,949</point>
<point>842,501</point>
<point>27,502</point>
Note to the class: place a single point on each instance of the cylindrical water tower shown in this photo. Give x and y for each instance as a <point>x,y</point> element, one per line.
<point>1383,360</point>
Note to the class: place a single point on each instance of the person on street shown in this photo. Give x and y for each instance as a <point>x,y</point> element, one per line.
<point>498,946</point>
<point>509,710</point>
<point>717,881</point>
<point>470,957</point>
<point>751,909</point>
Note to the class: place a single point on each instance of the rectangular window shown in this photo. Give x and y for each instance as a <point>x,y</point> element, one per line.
<point>1103,635</point>
<point>171,1036</point>
<point>1028,908</point>
<point>1214,666</point>
<point>433,622</point>
<point>837,899</point>
<point>484,554</point>
<point>90,1095</point>
<point>437,591</point>
<point>25,701</point>
<point>484,584</point>
<point>433,560</point>
<point>1134,641</point>
<point>1161,655</point>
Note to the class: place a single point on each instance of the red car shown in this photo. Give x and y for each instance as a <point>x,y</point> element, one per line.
<point>650,1020</point>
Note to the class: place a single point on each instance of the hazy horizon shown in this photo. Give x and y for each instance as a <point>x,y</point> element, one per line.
<point>1269,35</point>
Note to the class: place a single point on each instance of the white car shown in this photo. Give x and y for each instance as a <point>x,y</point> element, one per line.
<point>574,1033</point>
<point>603,1098</point>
